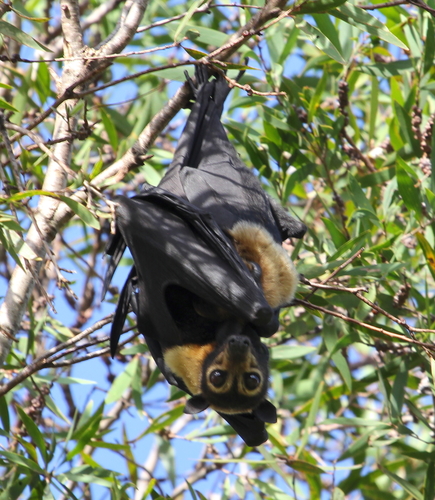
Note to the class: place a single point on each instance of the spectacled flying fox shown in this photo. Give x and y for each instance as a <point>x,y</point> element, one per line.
<point>210,273</point>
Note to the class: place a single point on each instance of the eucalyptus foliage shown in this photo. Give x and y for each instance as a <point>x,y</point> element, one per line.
<point>335,114</point>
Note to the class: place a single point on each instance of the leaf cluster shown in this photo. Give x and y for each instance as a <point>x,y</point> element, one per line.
<point>339,128</point>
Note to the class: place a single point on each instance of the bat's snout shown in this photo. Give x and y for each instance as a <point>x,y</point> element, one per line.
<point>239,343</point>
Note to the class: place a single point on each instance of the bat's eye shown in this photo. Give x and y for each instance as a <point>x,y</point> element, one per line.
<point>252,380</point>
<point>217,378</point>
<point>256,271</point>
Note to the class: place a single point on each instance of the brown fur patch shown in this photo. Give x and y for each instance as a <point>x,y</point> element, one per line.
<point>186,362</point>
<point>279,277</point>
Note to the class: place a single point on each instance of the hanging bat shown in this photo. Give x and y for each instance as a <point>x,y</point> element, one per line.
<point>210,274</point>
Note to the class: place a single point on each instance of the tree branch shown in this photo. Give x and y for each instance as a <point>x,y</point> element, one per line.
<point>46,226</point>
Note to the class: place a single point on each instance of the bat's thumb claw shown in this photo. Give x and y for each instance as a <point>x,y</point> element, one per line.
<point>263,316</point>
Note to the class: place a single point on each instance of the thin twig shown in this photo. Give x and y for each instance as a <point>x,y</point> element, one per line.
<point>247,88</point>
<point>304,303</point>
<point>339,268</point>
<point>38,362</point>
<point>91,355</point>
<point>339,287</point>
<point>383,5</point>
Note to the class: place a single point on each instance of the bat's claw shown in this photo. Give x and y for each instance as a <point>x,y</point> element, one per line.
<point>191,83</point>
<point>201,75</point>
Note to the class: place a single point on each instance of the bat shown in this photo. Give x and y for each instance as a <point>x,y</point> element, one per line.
<point>210,274</point>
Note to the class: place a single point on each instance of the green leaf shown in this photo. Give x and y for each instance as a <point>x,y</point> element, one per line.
<point>86,431</point>
<point>408,191</point>
<point>122,382</point>
<point>4,414</point>
<point>6,105</point>
<point>85,478</point>
<point>317,97</point>
<point>429,486</point>
<point>398,390</point>
<point>7,29</point>
<point>364,21</point>
<point>357,422</point>
<point>165,420</point>
<point>291,351</point>
<point>109,446</point>
<point>314,6</point>
<point>374,105</point>
<point>33,432</point>
<point>338,238</point>
<point>406,132</point>
<point>357,446</point>
<point>207,35</point>
<point>322,42</point>
<point>376,178</point>
<point>110,129</point>
<point>388,69</point>
<point>305,467</point>
<point>413,39</point>
<point>325,25</point>
<point>9,247</point>
<point>429,48</point>
<point>191,490</point>
<point>406,485</point>
<point>187,17</point>
<point>428,251</point>
<point>22,12</point>
<point>196,54</point>
<point>314,410</point>
<point>338,494</point>
<point>354,244</point>
<point>81,211</point>
<point>17,459</point>
<point>358,195</point>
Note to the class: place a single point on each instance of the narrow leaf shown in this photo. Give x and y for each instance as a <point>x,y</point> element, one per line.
<point>19,36</point>
<point>81,211</point>
<point>367,23</point>
<point>291,351</point>
<point>17,459</point>
<point>428,251</point>
<point>406,485</point>
<point>187,17</point>
<point>410,194</point>
<point>314,6</point>
<point>33,432</point>
<point>314,410</point>
<point>429,486</point>
<point>6,105</point>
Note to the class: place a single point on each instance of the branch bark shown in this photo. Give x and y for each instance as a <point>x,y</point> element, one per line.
<point>46,226</point>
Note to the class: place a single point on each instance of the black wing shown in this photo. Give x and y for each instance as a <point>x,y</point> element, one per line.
<point>178,249</point>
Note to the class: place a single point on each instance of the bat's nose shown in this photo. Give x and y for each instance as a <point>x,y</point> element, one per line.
<point>238,348</point>
<point>239,342</point>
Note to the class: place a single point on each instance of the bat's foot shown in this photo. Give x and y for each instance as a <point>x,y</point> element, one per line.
<point>201,76</point>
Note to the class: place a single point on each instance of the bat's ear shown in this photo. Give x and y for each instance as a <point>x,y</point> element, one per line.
<point>195,405</point>
<point>265,412</point>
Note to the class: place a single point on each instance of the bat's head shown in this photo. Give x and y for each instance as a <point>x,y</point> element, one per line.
<point>232,376</point>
